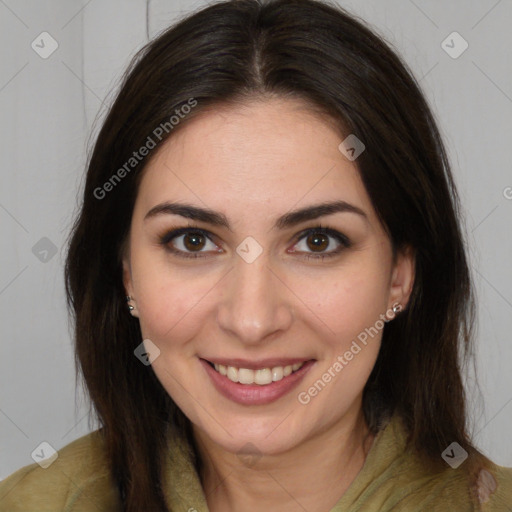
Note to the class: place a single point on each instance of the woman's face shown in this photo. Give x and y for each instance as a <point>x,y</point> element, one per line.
<point>247,286</point>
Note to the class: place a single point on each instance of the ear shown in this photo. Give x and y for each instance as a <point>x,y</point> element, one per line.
<point>128,286</point>
<point>127,276</point>
<point>402,278</point>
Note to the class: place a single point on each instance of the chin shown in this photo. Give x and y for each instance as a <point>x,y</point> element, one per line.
<point>270,436</point>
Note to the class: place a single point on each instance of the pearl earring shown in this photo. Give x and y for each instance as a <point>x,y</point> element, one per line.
<point>130,307</point>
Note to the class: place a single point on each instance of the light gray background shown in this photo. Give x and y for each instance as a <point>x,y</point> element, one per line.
<point>47,111</point>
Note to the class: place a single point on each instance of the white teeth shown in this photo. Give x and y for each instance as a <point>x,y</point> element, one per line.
<point>232,374</point>
<point>261,377</point>
<point>245,376</point>
<point>277,373</point>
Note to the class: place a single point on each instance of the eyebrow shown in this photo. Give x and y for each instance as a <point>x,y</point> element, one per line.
<point>287,220</point>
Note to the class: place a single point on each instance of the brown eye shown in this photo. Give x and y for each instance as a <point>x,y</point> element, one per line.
<point>194,241</point>
<point>317,242</point>
<point>189,243</point>
<point>321,242</point>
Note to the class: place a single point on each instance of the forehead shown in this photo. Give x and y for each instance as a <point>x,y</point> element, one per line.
<point>265,156</point>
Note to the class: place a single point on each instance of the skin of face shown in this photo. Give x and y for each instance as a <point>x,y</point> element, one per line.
<point>254,163</point>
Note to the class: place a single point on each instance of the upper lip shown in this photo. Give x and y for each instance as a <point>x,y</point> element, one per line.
<point>257,364</point>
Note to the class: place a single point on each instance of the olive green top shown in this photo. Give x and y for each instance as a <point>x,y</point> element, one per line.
<point>392,479</point>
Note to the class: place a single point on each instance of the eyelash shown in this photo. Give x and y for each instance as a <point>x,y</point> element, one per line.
<point>345,243</point>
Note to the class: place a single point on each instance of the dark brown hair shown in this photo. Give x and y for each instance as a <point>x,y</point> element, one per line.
<point>235,51</point>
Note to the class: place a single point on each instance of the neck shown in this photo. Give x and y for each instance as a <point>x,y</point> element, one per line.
<point>313,475</point>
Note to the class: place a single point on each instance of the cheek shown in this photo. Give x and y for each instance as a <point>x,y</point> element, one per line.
<point>170,304</point>
<point>348,304</point>
<point>350,311</point>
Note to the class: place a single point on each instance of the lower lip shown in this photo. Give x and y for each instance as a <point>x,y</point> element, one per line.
<point>253,394</point>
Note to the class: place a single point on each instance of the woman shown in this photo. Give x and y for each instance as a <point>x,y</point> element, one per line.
<point>268,278</point>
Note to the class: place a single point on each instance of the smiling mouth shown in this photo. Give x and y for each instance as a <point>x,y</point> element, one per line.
<point>261,377</point>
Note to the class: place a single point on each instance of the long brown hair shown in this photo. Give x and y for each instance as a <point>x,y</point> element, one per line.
<point>234,51</point>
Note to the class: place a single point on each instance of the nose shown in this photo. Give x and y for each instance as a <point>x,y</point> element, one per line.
<point>255,302</point>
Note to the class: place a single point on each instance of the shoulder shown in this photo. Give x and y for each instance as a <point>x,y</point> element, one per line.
<point>494,488</point>
<point>78,479</point>
<point>477,488</point>
<point>412,483</point>
<point>484,489</point>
